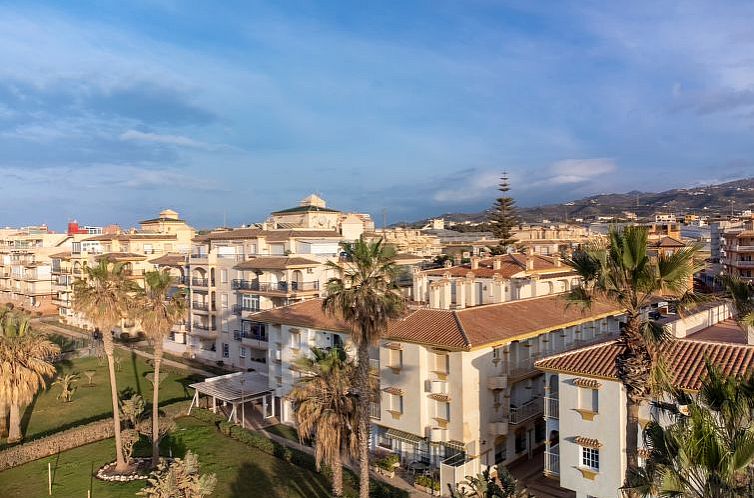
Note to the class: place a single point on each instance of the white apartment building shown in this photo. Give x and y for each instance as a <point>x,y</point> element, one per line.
<point>498,279</point>
<point>458,388</point>
<point>585,401</point>
<point>232,273</point>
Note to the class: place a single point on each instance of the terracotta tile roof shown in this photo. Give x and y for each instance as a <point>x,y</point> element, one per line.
<point>726,331</point>
<point>170,259</point>
<point>278,236</point>
<point>462,329</point>
<point>66,255</point>
<point>394,390</point>
<point>587,442</point>
<point>669,242</point>
<point>588,383</point>
<point>120,256</point>
<point>511,264</point>
<point>276,263</point>
<point>270,235</point>
<point>684,359</point>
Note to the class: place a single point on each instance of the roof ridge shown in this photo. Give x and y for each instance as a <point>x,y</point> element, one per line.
<point>716,343</point>
<point>462,330</point>
<point>600,344</point>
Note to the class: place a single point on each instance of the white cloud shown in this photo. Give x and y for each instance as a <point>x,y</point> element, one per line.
<point>138,136</point>
<point>471,186</point>
<point>579,170</point>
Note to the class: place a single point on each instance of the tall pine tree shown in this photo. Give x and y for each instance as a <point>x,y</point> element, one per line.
<point>503,218</point>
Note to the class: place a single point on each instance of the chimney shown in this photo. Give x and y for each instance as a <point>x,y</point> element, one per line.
<point>529,263</point>
<point>457,259</point>
<point>497,263</point>
<point>475,262</point>
<point>556,260</point>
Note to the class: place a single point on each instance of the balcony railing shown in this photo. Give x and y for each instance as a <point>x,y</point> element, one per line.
<point>531,409</point>
<point>741,247</point>
<point>179,280</point>
<point>254,285</point>
<point>239,308</point>
<point>202,326</point>
<point>200,282</point>
<point>200,306</point>
<point>551,407</point>
<point>552,460</point>
<point>245,334</point>
<point>744,264</point>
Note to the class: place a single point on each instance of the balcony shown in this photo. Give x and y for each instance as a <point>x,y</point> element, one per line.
<point>552,460</point>
<point>240,308</point>
<point>497,382</point>
<point>533,408</point>
<point>179,280</point>
<point>523,368</point>
<point>200,282</point>
<point>743,264</point>
<point>56,270</point>
<point>551,407</point>
<point>279,287</point>
<point>743,248</point>
<point>251,338</point>
<point>200,306</point>
<point>199,258</point>
<point>498,427</point>
<point>133,272</point>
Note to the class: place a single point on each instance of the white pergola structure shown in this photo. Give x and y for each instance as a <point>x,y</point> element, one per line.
<point>236,389</point>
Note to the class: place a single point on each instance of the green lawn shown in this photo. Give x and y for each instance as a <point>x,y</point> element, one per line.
<point>241,471</point>
<point>286,431</point>
<point>47,414</point>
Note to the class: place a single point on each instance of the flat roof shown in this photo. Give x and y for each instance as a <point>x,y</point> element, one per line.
<point>235,387</point>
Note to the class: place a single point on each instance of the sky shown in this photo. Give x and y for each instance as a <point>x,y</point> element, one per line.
<point>226,111</point>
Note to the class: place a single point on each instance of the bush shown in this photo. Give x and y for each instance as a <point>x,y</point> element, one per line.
<point>389,462</point>
<point>428,482</point>
<point>207,416</point>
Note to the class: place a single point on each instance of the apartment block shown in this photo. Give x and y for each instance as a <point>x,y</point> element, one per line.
<point>457,388</point>
<point>493,280</point>
<point>738,251</point>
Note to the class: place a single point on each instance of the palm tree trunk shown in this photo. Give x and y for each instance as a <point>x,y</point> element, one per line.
<point>362,374</point>
<point>156,403</point>
<point>107,341</point>
<point>632,443</point>
<point>14,432</point>
<point>3,418</point>
<point>337,475</point>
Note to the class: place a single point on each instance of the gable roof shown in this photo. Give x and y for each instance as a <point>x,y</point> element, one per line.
<point>685,360</point>
<point>456,329</point>
<point>170,259</point>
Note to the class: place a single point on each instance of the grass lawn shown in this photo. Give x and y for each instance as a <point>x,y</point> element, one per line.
<point>47,414</point>
<point>241,471</point>
<point>282,430</point>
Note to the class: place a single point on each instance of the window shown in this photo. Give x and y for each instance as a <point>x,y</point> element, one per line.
<point>520,441</point>
<point>395,358</point>
<point>590,458</point>
<point>589,399</point>
<point>250,302</point>
<point>395,403</point>
<point>384,442</point>
<point>442,410</point>
<point>224,276</point>
<point>295,342</point>
<point>441,363</point>
<point>242,352</point>
<point>226,350</point>
<point>224,301</point>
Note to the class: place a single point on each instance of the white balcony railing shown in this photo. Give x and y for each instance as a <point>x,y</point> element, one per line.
<point>551,407</point>
<point>530,409</point>
<point>552,460</point>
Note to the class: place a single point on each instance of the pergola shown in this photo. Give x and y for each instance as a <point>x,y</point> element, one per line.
<point>235,389</point>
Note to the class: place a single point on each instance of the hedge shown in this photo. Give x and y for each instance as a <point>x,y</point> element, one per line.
<point>71,438</point>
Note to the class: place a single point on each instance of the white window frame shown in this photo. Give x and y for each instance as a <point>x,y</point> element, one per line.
<point>590,458</point>
<point>242,352</point>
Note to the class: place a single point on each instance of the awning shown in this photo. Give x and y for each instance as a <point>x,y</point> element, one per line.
<point>235,388</point>
<point>587,383</point>
<point>587,442</point>
<point>456,445</point>
<point>406,437</point>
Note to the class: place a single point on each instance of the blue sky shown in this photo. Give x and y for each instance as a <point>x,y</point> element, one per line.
<point>110,111</point>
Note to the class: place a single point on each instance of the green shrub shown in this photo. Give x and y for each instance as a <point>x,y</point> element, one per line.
<point>207,416</point>
<point>388,462</point>
<point>428,482</point>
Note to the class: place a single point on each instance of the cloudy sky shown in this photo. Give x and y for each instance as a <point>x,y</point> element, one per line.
<point>110,111</point>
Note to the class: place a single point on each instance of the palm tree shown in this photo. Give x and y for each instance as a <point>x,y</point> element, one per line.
<point>24,367</point>
<point>742,297</point>
<point>621,272</point>
<point>708,449</point>
<point>159,311</point>
<point>104,297</point>
<point>325,410</point>
<point>3,402</point>
<point>180,479</point>
<point>365,295</point>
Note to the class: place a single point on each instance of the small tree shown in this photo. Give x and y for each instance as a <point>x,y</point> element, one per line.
<point>129,438</point>
<point>66,386</point>
<point>503,217</point>
<point>131,410</point>
<point>165,425</point>
<point>90,375</point>
<point>485,486</point>
<point>181,479</point>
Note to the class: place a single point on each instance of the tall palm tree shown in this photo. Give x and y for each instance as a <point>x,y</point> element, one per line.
<point>708,450</point>
<point>159,310</point>
<point>741,295</point>
<point>4,311</point>
<point>325,410</point>
<point>24,367</point>
<point>620,271</point>
<point>104,297</point>
<point>365,295</point>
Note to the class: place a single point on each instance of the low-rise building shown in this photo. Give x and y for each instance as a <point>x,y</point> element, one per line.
<point>457,388</point>
<point>492,280</point>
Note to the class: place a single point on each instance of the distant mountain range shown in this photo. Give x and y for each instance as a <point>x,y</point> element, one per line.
<point>705,200</point>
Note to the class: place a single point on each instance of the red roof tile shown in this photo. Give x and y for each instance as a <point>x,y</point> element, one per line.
<point>685,360</point>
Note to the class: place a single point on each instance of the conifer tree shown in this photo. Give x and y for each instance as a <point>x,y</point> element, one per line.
<point>503,217</point>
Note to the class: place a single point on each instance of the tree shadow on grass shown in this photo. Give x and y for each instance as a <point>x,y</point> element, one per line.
<point>137,380</point>
<point>281,482</point>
